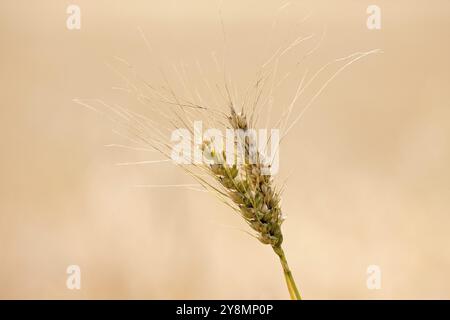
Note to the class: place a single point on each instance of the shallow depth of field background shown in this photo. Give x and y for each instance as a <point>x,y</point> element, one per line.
<point>368,166</point>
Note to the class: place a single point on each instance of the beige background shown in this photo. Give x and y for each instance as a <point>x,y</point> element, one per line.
<point>369,175</point>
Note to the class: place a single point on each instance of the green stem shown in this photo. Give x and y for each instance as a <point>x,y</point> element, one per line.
<point>292,287</point>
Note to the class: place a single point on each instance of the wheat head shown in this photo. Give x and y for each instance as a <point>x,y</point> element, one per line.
<point>253,193</point>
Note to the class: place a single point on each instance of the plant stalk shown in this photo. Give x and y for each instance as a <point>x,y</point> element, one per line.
<point>292,287</point>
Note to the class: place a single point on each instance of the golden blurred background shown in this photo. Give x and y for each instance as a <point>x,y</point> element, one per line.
<point>369,180</point>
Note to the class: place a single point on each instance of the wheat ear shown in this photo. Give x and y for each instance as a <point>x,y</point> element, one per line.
<point>253,193</point>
